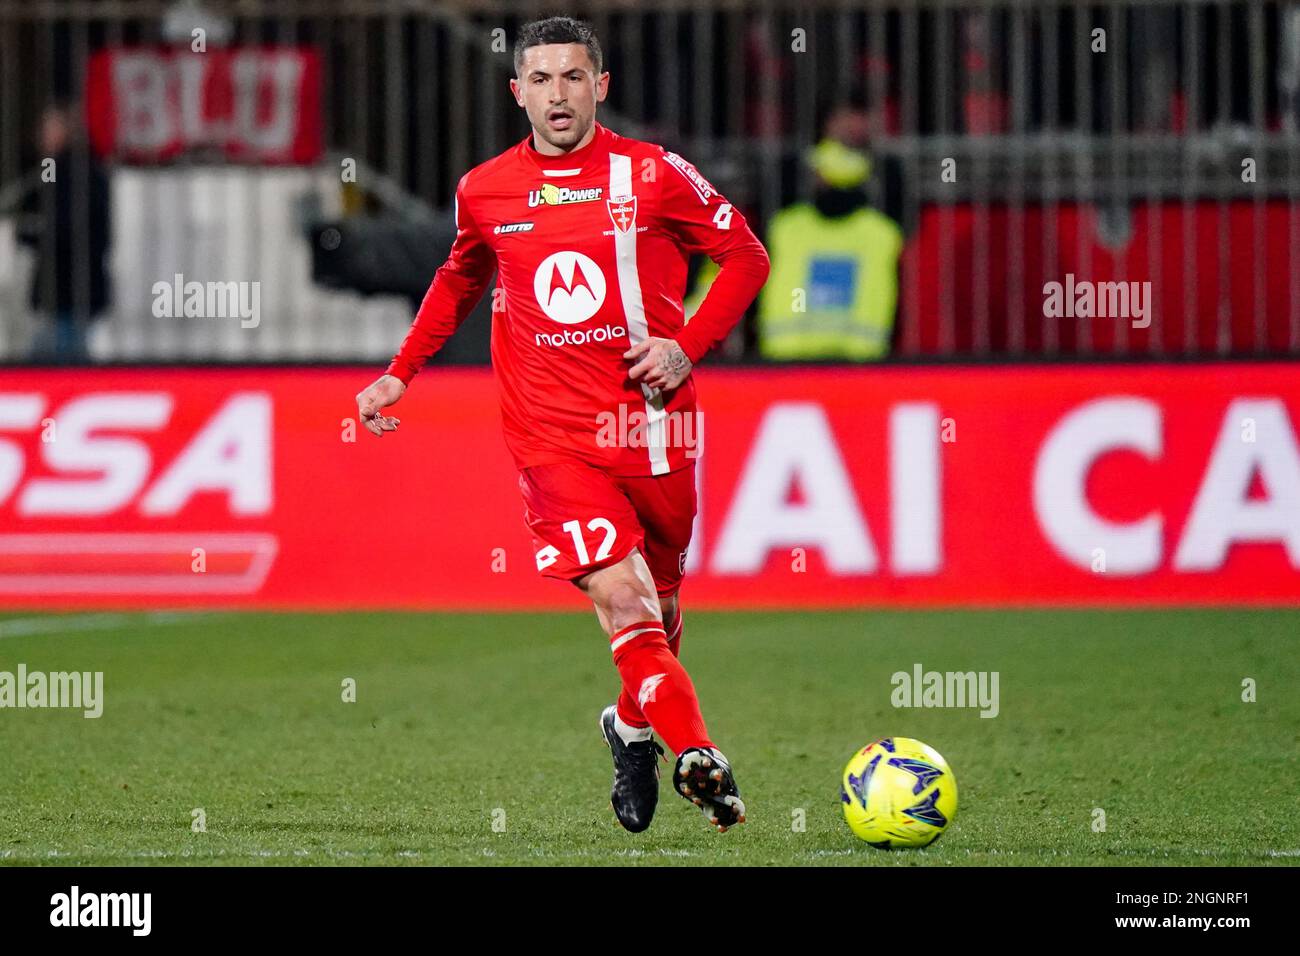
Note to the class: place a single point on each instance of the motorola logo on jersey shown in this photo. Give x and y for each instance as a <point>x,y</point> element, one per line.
<point>569,287</point>
<point>605,333</point>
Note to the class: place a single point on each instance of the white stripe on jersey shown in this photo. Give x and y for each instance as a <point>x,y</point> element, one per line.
<point>629,284</point>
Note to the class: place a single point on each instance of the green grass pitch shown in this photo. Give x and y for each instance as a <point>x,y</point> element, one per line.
<point>466,721</point>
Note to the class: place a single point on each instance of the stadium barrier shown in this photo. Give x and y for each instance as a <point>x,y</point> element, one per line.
<point>1131,484</point>
<point>1016,142</point>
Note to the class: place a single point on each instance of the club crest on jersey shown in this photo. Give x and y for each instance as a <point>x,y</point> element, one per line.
<point>622,212</point>
<point>549,194</point>
<point>569,287</point>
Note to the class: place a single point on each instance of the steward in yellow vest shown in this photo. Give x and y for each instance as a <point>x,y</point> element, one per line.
<point>833,290</point>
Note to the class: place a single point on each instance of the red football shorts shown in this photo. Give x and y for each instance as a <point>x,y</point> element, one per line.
<point>584,519</point>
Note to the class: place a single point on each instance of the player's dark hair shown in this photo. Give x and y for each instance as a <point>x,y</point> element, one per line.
<point>557,30</point>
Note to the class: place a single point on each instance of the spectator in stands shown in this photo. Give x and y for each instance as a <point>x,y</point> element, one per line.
<point>1288,78</point>
<point>67,224</point>
<point>834,283</point>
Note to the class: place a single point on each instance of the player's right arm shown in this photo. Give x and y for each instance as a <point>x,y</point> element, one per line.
<point>456,288</point>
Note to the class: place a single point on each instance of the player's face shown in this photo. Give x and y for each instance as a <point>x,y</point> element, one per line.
<point>559,88</point>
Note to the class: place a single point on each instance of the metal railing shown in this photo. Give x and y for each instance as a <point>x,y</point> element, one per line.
<point>1116,141</point>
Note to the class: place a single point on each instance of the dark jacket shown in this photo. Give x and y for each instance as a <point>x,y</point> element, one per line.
<point>67,222</point>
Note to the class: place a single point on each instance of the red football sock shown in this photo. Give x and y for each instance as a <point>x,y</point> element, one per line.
<point>628,711</point>
<point>674,630</point>
<point>656,681</point>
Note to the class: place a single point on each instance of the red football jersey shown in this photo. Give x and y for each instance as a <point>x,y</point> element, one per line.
<point>591,251</point>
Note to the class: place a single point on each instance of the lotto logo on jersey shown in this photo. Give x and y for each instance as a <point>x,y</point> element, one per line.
<point>550,194</point>
<point>569,287</point>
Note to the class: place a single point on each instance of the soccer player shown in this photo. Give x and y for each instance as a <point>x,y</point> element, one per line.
<point>589,233</point>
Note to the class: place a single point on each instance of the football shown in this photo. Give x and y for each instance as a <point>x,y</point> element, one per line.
<point>898,793</point>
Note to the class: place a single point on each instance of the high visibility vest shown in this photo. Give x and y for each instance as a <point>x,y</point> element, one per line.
<point>833,287</point>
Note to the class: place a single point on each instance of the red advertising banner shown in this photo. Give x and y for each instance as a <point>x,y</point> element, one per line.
<point>1078,485</point>
<point>256,104</point>
<point>1174,255</point>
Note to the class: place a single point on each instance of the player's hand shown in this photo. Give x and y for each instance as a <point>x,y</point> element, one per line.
<point>662,364</point>
<point>385,391</point>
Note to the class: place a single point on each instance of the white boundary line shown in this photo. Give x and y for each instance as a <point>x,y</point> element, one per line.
<point>75,623</point>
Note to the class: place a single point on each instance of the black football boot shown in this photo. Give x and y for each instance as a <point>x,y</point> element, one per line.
<point>635,792</point>
<point>703,776</point>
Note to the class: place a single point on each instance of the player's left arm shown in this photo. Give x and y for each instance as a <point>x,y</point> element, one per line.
<point>703,221</point>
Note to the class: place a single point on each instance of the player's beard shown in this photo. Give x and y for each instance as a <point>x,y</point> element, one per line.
<point>564,139</point>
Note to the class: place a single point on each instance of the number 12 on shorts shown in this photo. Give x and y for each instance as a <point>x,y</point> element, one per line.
<point>550,554</point>
<point>580,546</point>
